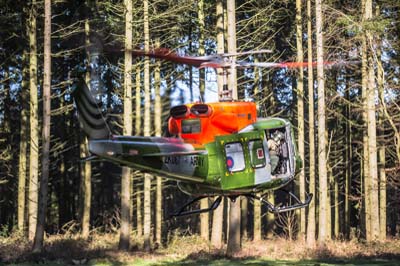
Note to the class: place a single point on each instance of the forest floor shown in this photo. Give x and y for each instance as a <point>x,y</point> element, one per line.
<point>101,250</point>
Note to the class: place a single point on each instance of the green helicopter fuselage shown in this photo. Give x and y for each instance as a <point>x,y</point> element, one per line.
<point>233,164</point>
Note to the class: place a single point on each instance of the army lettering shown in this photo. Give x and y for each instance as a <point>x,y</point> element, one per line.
<point>196,161</point>
<point>192,160</point>
<point>171,160</point>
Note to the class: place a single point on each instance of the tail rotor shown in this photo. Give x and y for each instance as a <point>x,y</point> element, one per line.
<point>90,115</point>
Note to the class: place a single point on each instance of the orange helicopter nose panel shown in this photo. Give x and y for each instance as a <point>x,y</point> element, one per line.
<point>199,123</point>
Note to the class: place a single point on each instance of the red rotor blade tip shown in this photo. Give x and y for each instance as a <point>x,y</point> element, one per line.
<point>304,64</point>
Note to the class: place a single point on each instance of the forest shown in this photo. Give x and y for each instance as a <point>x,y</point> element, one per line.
<point>345,116</point>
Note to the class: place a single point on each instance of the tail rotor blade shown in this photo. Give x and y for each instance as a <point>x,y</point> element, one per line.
<point>90,115</point>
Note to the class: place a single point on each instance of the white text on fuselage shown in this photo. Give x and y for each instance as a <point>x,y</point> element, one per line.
<point>195,161</point>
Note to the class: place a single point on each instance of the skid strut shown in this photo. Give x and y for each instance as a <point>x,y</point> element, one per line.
<point>182,211</point>
<point>279,209</point>
<point>271,207</point>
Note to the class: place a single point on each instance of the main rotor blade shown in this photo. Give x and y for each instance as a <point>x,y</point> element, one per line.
<point>293,64</point>
<point>222,60</point>
<point>166,54</point>
<point>213,61</point>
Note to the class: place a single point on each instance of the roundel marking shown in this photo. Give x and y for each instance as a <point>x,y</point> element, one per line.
<point>229,162</point>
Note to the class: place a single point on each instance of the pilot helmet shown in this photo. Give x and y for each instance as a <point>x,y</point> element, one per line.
<point>278,136</point>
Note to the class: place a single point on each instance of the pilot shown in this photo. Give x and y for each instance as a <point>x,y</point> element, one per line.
<point>273,146</point>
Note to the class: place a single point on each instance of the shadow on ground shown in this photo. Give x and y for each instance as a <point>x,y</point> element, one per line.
<point>220,260</point>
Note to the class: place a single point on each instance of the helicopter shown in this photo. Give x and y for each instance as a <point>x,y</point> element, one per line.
<point>217,150</point>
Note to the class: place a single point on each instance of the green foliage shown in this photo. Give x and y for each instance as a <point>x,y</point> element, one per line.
<point>377,26</point>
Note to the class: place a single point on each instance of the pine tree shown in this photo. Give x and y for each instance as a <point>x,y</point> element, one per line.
<point>324,206</point>
<point>157,127</point>
<point>42,203</point>
<point>371,129</point>
<point>300,110</point>
<point>87,168</point>
<point>22,169</point>
<point>127,98</point>
<point>146,129</point>
<point>311,224</point>
<point>218,214</point>
<point>234,238</point>
<point>34,124</point>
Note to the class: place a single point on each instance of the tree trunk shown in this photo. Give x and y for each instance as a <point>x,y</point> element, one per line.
<point>127,130</point>
<point>204,217</point>
<point>34,124</point>
<point>124,236</point>
<point>42,204</point>
<point>311,224</point>
<point>257,220</point>
<point>147,212</point>
<point>218,214</point>
<point>158,131</point>
<point>231,43</point>
<point>139,217</point>
<point>322,160</point>
<point>87,170</point>
<point>138,101</point>
<point>348,160</point>
<point>382,148</point>
<point>245,210</point>
<point>220,40</point>
<point>87,192</point>
<point>329,190</point>
<point>371,113</point>
<point>217,226</point>
<point>22,168</point>
<point>234,240</point>
<point>300,112</point>
<point>146,129</point>
<point>138,130</point>
<point>271,217</point>
<point>365,164</point>
<point>336,225</point>
<point>201,50</point>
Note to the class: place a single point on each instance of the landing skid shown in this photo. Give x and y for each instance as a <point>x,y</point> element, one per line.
<point>279,209</point>
<point>182,211</point>
<point>271,207</point>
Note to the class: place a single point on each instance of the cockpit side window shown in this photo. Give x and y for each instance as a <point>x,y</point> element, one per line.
<point>234,157</point>
<point>257,154</point>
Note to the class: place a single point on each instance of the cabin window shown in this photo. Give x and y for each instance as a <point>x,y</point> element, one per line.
<point>257,154</point>
<point>190,126</point>
<point>234,157</point>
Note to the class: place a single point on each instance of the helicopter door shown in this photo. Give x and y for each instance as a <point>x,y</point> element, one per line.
<point>260,160</point>
<point>244,160</point>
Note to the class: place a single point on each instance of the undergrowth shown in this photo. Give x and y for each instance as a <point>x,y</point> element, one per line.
<point>71,248</point>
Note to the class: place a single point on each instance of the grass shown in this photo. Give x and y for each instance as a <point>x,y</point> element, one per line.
<point>101,249</point>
